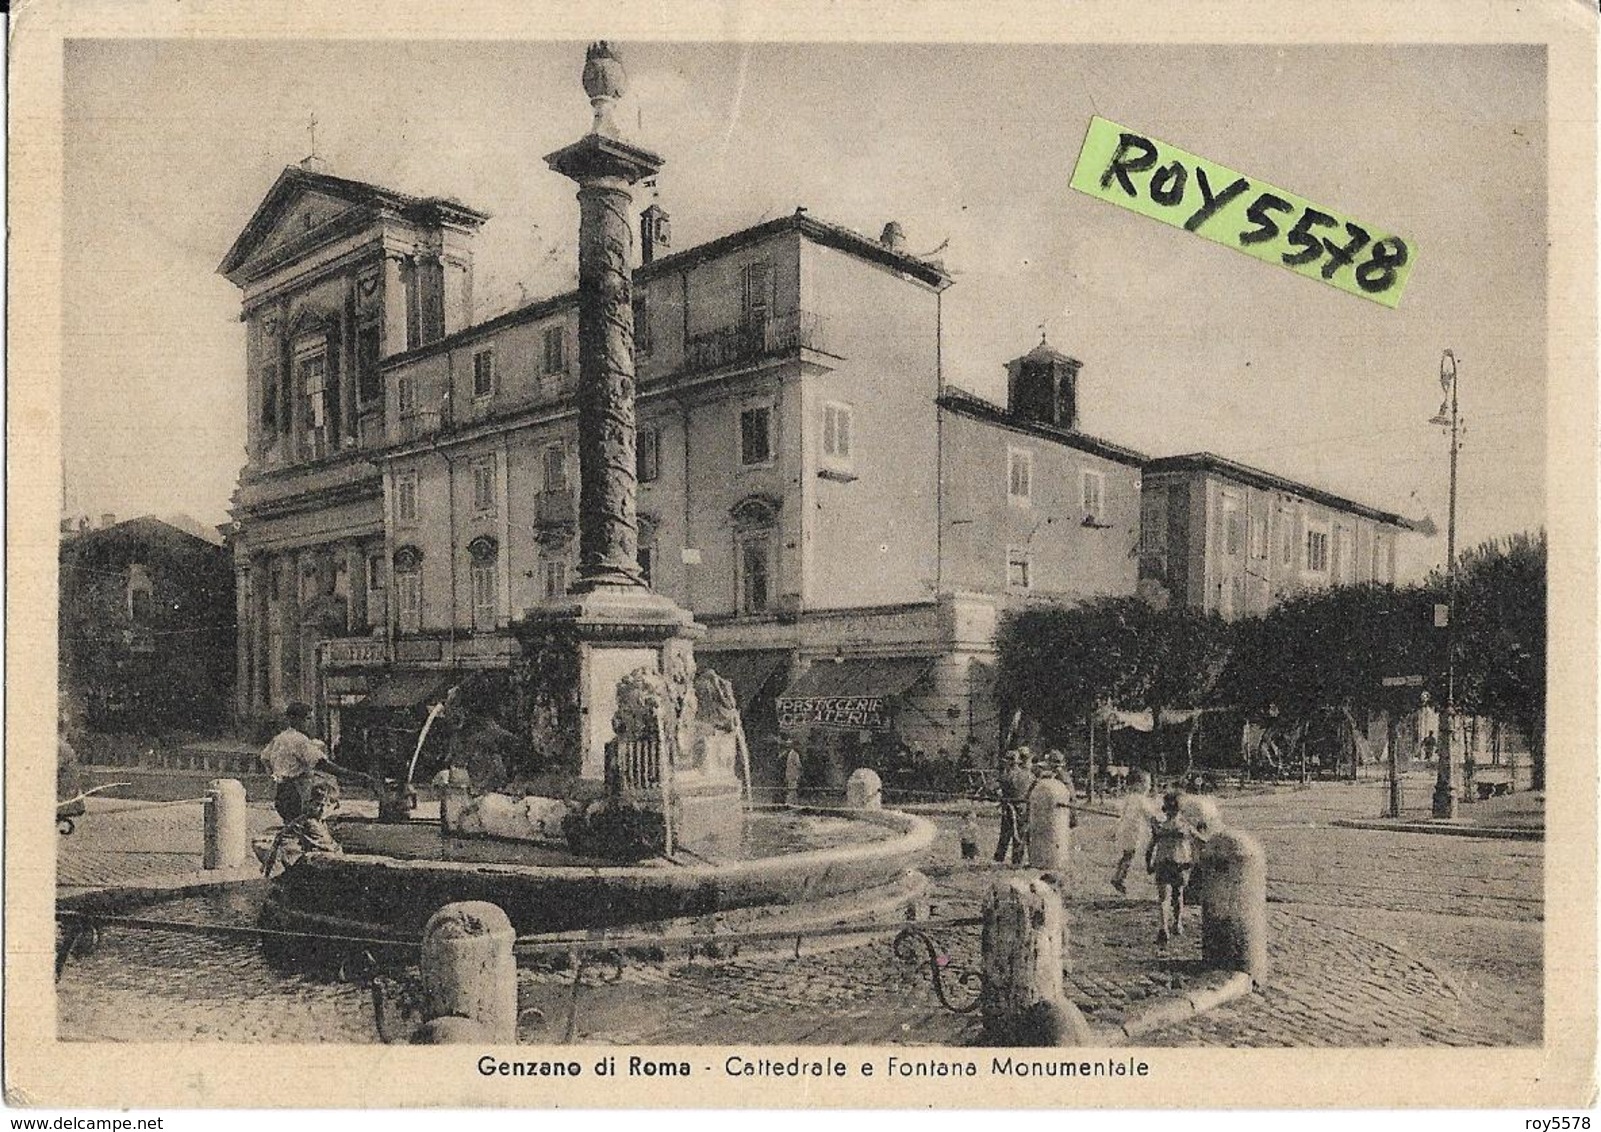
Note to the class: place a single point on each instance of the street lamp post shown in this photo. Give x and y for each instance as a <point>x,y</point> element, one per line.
<point>1444,785</point>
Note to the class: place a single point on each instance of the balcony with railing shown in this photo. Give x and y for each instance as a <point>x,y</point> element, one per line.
<point>751,339</point>
<point>418,424</point>
<point>355,652</point>
<point>555,509</point>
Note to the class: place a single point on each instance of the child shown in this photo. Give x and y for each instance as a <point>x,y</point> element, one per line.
<point>1169,859</point>
<point>970,835</point>
<point>1133,827</point>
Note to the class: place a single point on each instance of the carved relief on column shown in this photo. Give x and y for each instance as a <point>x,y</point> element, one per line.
<point>608,527</point>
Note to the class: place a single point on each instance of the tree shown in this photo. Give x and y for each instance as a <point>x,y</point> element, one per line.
<point>1329,651</point>
<point>1500,636</point>
<point>1060,665</point>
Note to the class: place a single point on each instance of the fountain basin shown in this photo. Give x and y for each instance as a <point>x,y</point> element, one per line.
<point>391,878</point>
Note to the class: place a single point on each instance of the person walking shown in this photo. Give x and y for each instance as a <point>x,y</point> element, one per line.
<point>1016,782</point>
<point>792,774</point>
<point>1169,858</point>
<point>1134,827</point>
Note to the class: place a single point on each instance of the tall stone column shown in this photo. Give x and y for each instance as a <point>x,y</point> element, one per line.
<point>610,626</point>
<point>606,168</point>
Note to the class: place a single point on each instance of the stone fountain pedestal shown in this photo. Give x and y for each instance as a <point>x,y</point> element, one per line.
<point>577,651</point>
<point>608,633</point>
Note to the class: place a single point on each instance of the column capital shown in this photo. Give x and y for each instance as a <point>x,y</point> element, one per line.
<point>595,157</point>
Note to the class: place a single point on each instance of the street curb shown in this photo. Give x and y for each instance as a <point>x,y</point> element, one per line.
<point>169,886</point>
<point>1170,1010</point>
<point>111,900</point>
<point>1503,833</point>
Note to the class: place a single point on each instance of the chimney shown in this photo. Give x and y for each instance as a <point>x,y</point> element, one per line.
<point>655,235</point>
<point>108,519</point>
<point>893,237</point>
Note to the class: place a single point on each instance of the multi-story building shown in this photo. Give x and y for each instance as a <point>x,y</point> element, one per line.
<point>844,526</point>
<point>334,275</point>
<point>1235,540</point>
<point>146,626</point>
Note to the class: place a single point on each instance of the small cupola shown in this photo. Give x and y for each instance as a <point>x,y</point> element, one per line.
<point>655,234</point>
<point>1042,386</point>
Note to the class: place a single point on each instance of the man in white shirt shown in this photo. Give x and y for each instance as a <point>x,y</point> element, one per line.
<point>292,758</point>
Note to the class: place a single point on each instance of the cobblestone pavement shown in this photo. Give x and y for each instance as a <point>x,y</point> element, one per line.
<point>1378,938</point>
<point>119,842</point>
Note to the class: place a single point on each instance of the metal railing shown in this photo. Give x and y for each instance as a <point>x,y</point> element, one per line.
<point>386,965</point>
<point>636,764</point>
<point>751,338</point>
<point>353,652</point>
<point>419,423</point>
<point>555,508</point>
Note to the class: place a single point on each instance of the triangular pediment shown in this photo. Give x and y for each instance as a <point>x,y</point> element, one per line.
<point>303,207</point>
<point>303,213</point>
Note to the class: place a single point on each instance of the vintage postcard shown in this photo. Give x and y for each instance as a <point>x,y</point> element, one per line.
<point>804,555</point>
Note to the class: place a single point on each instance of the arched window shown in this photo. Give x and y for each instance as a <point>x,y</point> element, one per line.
<point>755,553</point>
<point>408,589</point>
<point>485,554</point>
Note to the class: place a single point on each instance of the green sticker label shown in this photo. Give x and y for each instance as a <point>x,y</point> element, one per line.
<point>1158,180</point>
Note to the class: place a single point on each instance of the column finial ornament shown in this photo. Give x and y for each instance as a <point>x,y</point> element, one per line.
<point>605,81</point>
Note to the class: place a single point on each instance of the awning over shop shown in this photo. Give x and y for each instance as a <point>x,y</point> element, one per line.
<point>414,688</point>
<point>748,670</point>
<point>849,694</point>
<point>1142,721</point>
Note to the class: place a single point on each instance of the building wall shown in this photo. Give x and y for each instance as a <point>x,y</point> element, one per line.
<point>147,626</point>
<point>1265,559</point>
<point>312,515</point>
<point>982,525</point>
<point>870,523</point>
<point>442,381</point>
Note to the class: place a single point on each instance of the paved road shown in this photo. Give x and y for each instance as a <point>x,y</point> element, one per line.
<point>1378,938</point>
<point>1469,910</point>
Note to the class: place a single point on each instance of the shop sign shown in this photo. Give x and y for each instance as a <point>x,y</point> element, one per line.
<point>844,713</point>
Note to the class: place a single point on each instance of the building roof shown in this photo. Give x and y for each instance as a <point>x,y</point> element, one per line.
<point>971,405</point>
<point>1269,481</point>
<point>295,179</point>
<point>134,533</point>
<point>819,231</point>
<point>830,235</point>
<point>1045,352</point>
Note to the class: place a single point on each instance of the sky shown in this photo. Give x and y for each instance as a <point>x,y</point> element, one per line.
<point>1186,345</point>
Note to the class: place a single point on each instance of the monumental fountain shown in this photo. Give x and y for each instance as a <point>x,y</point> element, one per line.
<point>647,820</point>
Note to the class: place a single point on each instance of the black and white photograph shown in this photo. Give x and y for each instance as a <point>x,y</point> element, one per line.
<point>881,566</point>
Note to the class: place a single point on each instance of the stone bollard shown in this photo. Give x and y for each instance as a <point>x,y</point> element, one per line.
<point>864,790</point>
<point>1233,886</point>
<point>1050,833</point>
<point>1025,935</point>
<point>469,975</point>
<point>227,830</point>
